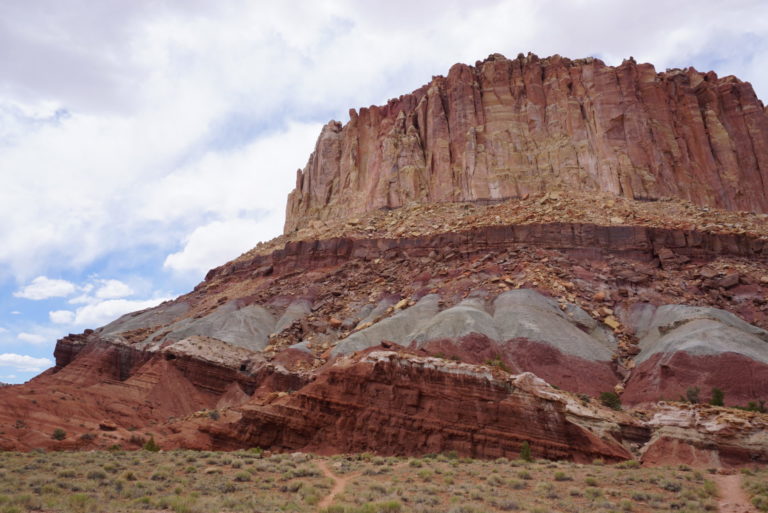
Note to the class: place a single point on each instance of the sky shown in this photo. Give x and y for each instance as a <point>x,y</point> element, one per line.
<point>143,142</point>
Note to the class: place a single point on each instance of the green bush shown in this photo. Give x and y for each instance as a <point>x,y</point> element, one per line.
<point>611,400</point>
<point>692,395</point>
<point>59,434</point>
<point>497,362</point>
<point>242,477</point>
<point>151,445</point>
<point>718,397</point>
<point>525,451</point>
<point>760,502</point>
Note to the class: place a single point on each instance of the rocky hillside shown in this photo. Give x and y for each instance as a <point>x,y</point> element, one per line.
<point>509,128</point>
<point>467,326</point>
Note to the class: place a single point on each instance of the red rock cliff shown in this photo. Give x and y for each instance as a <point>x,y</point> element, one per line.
<point>504,128</point>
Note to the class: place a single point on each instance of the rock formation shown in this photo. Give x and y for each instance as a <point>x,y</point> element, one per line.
<point>508,128</point>
<point>513,278</point>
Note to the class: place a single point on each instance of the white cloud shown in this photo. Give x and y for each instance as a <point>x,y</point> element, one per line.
<point>32,338</point>
<point>112,289</point>
<point>3,330</point>
<point>24,363</point>
<point>45,288</point>
<point>160,100</point>
<point>215,243</point>
<point>100,313</point>
<point>177,127</point>
<point>61,316</point>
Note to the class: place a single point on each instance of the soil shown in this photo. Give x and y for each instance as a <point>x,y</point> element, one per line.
<point>339,484</point>
<point>732,499</point>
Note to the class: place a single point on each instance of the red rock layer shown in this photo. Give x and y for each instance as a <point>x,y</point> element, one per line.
<point>521,355</point>
<point>668,376</point>
<point>126,389</point>
<point>397,408</point>
<point>505,128</point>
<point>585,240</point>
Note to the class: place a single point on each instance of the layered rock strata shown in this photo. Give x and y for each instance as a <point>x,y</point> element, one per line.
<point>508,128</point>
<point>393,403</point>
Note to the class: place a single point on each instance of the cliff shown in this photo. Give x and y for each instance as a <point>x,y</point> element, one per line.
<point>509,128</point>
<point>463,321</point>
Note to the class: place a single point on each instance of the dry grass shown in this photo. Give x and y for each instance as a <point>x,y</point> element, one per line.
<point>189,481</point>
<point>179,481</point>
<point>756,485</point>
<point>442,484</point>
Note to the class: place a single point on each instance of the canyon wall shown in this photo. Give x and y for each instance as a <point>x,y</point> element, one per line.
<point>508,128</point>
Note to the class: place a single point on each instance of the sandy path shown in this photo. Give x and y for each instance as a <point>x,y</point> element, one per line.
<point>340,482</point>
<point>733,499</point>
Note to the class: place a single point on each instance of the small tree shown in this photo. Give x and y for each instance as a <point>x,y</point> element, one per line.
<point>151,445</point>
<point>718,397</point>
<point>525,451</point>
<point>692,395</point>
<point>59,434</point>
<point>611,400</point>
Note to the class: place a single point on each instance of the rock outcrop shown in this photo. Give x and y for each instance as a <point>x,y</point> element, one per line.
<point>508,128</point>
<point>520,280</point>
<point>684,347</point>
<point>394,403</point>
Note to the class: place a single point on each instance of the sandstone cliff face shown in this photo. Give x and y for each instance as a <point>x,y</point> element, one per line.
<point>506,128</point>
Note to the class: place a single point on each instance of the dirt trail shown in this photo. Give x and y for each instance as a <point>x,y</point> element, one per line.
<point>733,499</point>
<point>340,482</point>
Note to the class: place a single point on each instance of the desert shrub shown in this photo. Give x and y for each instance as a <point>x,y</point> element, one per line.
<point>495,480</point>
<point>717,397</point>
<point>709,489</point>
<point>760,502</point>
<point>562,476</point>
<point>507,505</point>
<point>451,455</point>
<point>547,490</point>
<point>425,474</point>
<point>525,451</point>
<point>59,434</point>
<point>628,464</point>
<point>96,475</point>
<point>692,395</point>
<point>590,481</point>
<point>524,474</point>
<point>151,445</point>
<point>758,406</point>
<point>79,502</point>
<point>592,493</point>
<point>334,509</point>
<point>497,362</point>
<point>671,486</point>
<point>242,477</point>
<point>611,400</point>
